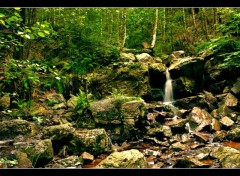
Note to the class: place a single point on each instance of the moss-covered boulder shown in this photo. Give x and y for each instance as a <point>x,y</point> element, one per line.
<point>58,132</point>
<point>69,162</point>
<point>128,78</point>
<point>94,141</point>
<point>54,98</point>
<point>118,115</point>
<point>40,152</point>
<point>12,128</point>
<point>234,134</point>
<point>5,102</point>
<point>126,159</point>
<point>227,156</point>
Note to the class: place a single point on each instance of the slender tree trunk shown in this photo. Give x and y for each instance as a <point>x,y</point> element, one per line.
<point>101,28</point>
<point>194,19</point>
<point>215,20</point>
<point>164,25</point>
<point>125,27</point>
<point>184,19</point>
<point>155,29</point>
<point>204,23</point>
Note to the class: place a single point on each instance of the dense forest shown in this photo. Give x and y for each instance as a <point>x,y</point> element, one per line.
<point>63,70</point>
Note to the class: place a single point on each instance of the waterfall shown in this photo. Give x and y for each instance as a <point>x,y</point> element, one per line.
<point>168,97</point>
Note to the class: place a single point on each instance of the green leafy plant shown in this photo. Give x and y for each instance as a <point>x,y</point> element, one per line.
<point>8,163</point>
<point>82,103</point>
<point>38,120</point>
<point>21,77</point>
<point>24,107</point>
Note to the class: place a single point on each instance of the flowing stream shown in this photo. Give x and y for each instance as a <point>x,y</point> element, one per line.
<point>168,97</point>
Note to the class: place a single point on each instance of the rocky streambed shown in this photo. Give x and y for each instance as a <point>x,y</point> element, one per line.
<point>128,125</point>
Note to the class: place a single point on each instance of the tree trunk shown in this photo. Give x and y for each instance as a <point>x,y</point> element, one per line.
<point>215,19</point>
<point>155,29</point>
<point>164,25</point>
<point>204,23</point>
<point>184,19</point>
<point>125,27</point>
<point>194,19</point>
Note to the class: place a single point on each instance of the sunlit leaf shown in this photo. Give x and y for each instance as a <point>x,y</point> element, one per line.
<point>46,32</point>
<point>17,8</point>
<point>41,34</point>
<point>31,36</point>
<point>2,15</point>
<point>27,36</point>
<point>28,30</point>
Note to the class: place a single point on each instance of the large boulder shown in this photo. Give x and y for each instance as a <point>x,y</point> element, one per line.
<point>5,102</point>
<point>118,115</point>
<point>94,141</point>
<point>58,132</point>
<point>126,159</point>
<point>127,78</point>
<point>40,152</point>
<point>227,156</point>
<point>12,128</point>
<point>69,162</point>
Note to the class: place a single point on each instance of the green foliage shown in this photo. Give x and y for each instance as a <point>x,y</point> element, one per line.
<point>231,26</point>
<point>82,103</point>
<point>221,45</point>
<point>38,120</point>
<point>21,77</point>
<point>24,107</point>
<point>8,163</point>
<point>12,29</point>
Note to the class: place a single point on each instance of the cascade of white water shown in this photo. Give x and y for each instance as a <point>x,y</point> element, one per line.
<point>168,97</point>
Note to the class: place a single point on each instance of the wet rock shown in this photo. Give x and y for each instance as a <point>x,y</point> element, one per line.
<point>236,87</point>
<point>72,102</point>
<point>192,101</point>
<point>130,80</point>
<point>40,152</point>
<point>160,132</point>
<point>178,146</point>
<point>39,110</point>
<point>55,98</point>
<point>219,136</point>
<point>5,102</point>
<point>177,123</point>
<point>118,115</point>
<point>23,160</point>
<point>227,156</point>
<point>204,124</point>
<point>87,157</point>
<point>59,106</point>
<point>133,109</point>
<point>215,125</point>
<point>69,162</point>
<point>234,134</point>
<point>58,132</point>
<point>186,138</point>
<point>231,100</point>
<point>12,128</point>
<point>127,57</point>
<point>189,162</point>
<point>157,67</point>
<point>126,159</point>
<point>202,156</point>
<point>151,152</point>
<point>226,121</point>
<point>199,115</point>
<point>93,141</point>
<point>144,57</point>
<point>201,136</point>
<point>178,54</point>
